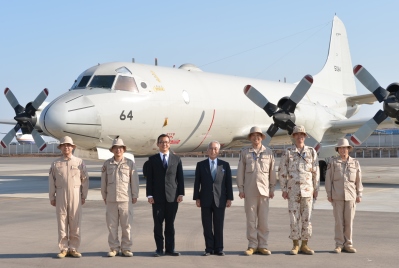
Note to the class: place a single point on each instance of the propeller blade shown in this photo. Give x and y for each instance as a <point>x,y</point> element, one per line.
<point>370,82</point>
<point>299,92</point>
<point>9,136</point>
<point>256,97</point>
<point>272,130</point>
<point>267,140</point>
<point>367,129</point>
<point>40,99</point>
<point>312,142</point>
<point>41,144</point>
<point>13,101</point>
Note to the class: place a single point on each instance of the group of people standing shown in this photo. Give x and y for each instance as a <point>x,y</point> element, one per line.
<point>298,174</point>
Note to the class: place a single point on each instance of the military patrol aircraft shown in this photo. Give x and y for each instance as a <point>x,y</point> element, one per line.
<point>138,102</point>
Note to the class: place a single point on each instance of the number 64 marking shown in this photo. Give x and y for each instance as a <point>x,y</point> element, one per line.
<point>123,116</point>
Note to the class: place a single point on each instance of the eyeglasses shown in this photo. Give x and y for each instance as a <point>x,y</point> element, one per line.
<point>163,142</point>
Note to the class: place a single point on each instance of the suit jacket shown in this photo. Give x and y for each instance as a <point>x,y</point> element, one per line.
<point>208,190</point>
<point>164,185</point>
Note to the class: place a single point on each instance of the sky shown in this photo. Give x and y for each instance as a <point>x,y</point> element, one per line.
<point>47,44</point>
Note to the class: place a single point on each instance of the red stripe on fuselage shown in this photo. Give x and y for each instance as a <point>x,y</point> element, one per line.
<point>213,117</point>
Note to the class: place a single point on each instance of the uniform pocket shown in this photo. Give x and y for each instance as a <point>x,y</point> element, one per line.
<point>352,173</point>
<point>265,164</point>
<point>110,174</point>
<point>250,165</point>
<point>125,173</point>
<point>75,173</point>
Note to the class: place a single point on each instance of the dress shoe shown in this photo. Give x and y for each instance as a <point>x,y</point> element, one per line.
<point>127,253</point>
<point>172,253</point>
<point>112,253</point>
<point>220,253</point>
<point>158,253</point>
<point>264,251</point>
<point>349,249</point>
<point>337,250</point>
<point>206,254</point>
<point>250,251</point>
<point>62,254</point>
<point>74,253</point>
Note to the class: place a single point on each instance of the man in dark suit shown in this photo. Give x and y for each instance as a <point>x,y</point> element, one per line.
<point>165,189</point>
<point>213,192</point>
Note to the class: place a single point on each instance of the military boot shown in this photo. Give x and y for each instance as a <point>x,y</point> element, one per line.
<point>338,249</point>
<point>62,254</point>
<point>250,251</point>
<point>305,249</point>
<point>264,251</point>
<point>112,253</point>
<point>74,253</point>
<point>127,253</point>
<point>349,249</point>
<point>295,247</point>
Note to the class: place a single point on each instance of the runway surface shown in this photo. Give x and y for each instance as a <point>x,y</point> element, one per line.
<point>28,233</point>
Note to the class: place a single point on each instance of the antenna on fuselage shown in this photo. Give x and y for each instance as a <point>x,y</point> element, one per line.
<point>156,62</point>
<point>133,60</point>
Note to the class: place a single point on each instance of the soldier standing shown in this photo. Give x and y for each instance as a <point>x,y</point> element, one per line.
<point>344,189</point>
<point>299,180</point>
<point>68,187</point>
<point>119,185</point>
<point>256,180</point>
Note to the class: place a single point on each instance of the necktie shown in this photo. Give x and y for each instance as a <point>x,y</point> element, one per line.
<point>164,163</point>
<point>213,169</point>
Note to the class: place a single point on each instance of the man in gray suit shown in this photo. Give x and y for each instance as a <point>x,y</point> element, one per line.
<point>165,189</point>
<point>213,192</point>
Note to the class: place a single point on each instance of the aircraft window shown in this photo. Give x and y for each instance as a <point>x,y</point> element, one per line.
<point>143,85</point>
<point>103,81</point>
<point>83,82</point>
<point>123,70</point>
<point>126,83</point>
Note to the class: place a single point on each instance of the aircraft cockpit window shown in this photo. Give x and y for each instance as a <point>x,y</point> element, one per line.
<point>126,83</point>
<point>123,70</point>
<point>102,81</point>
<point>83,82</point>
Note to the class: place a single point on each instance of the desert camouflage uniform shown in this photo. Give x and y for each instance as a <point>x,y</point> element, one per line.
<point>343,185</point>
<point>299,177</point>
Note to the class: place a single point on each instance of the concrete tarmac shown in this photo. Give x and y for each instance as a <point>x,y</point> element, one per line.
<point>28,233</point>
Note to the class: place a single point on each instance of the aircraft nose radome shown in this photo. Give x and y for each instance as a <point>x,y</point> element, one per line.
<point>74,115</point>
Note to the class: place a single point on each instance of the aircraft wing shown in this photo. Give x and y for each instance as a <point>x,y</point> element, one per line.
<point>7,121</point>
<point>361,99</point>
<point>351,125</point>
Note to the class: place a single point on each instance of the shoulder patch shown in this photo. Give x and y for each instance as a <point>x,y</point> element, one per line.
<point>103,169</point>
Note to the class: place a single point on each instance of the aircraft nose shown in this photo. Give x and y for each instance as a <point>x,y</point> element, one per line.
<point>75,115</point>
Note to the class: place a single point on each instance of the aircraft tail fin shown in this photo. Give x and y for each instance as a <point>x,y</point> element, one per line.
<point>337,73</point>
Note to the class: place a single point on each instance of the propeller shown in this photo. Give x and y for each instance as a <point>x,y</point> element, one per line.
<point>25,117</point>
<point>389,97</point>
<point>283,114</point>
